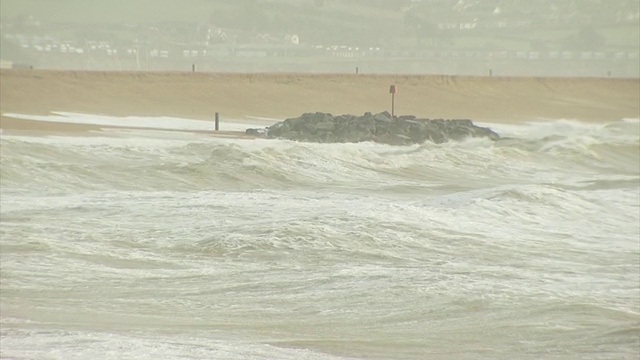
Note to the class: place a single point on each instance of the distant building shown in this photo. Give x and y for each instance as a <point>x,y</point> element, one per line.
<point>5,64</point>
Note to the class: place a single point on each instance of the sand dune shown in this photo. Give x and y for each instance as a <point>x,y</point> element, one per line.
<point>200,95</point>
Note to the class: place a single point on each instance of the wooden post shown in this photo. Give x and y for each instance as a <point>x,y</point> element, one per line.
<point>393,105</point>
<point>217,124</point>
<point>393,90</point>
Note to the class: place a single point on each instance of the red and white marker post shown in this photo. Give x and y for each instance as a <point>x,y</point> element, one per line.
<point>393,89</point>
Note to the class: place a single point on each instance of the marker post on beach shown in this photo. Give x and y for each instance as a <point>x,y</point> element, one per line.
<point>217,122</point>
<point>393,89</point>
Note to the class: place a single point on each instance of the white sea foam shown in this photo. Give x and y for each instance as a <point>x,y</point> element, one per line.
<point>155,244</point>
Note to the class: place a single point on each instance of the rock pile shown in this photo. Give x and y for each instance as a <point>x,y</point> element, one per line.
<point>381,128</point>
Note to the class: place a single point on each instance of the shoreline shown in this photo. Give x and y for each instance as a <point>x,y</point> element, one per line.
<point>276,96</point>
<point>14,126</point>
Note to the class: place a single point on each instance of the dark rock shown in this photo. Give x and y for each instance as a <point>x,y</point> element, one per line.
<point>383,116</point>
<point>381,128</point>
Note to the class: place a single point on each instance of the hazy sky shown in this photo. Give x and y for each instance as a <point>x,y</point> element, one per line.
<point>141,11</point>
<point>108,10</point>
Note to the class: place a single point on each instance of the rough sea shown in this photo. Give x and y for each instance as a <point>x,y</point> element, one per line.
<point>148,244</point>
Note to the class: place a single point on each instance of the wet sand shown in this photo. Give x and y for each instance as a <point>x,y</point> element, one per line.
<point>242,96</point>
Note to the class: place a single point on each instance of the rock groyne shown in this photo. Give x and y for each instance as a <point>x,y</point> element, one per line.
<point>381,128</point>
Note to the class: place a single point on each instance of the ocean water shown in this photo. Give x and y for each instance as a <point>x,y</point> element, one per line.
<point>169,245</point>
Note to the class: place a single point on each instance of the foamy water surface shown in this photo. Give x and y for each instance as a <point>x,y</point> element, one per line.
<point>152,244</point>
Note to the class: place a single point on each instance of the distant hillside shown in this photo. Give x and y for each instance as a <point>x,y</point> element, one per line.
<point>425,24</point>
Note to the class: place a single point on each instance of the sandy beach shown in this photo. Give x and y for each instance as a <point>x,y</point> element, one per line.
<point>278,96</point>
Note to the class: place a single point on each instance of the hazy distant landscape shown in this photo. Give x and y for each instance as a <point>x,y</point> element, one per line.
<point>494,37</point>
<point>211,179</point>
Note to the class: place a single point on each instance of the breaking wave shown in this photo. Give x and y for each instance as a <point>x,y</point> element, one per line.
<point>566,152</point>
